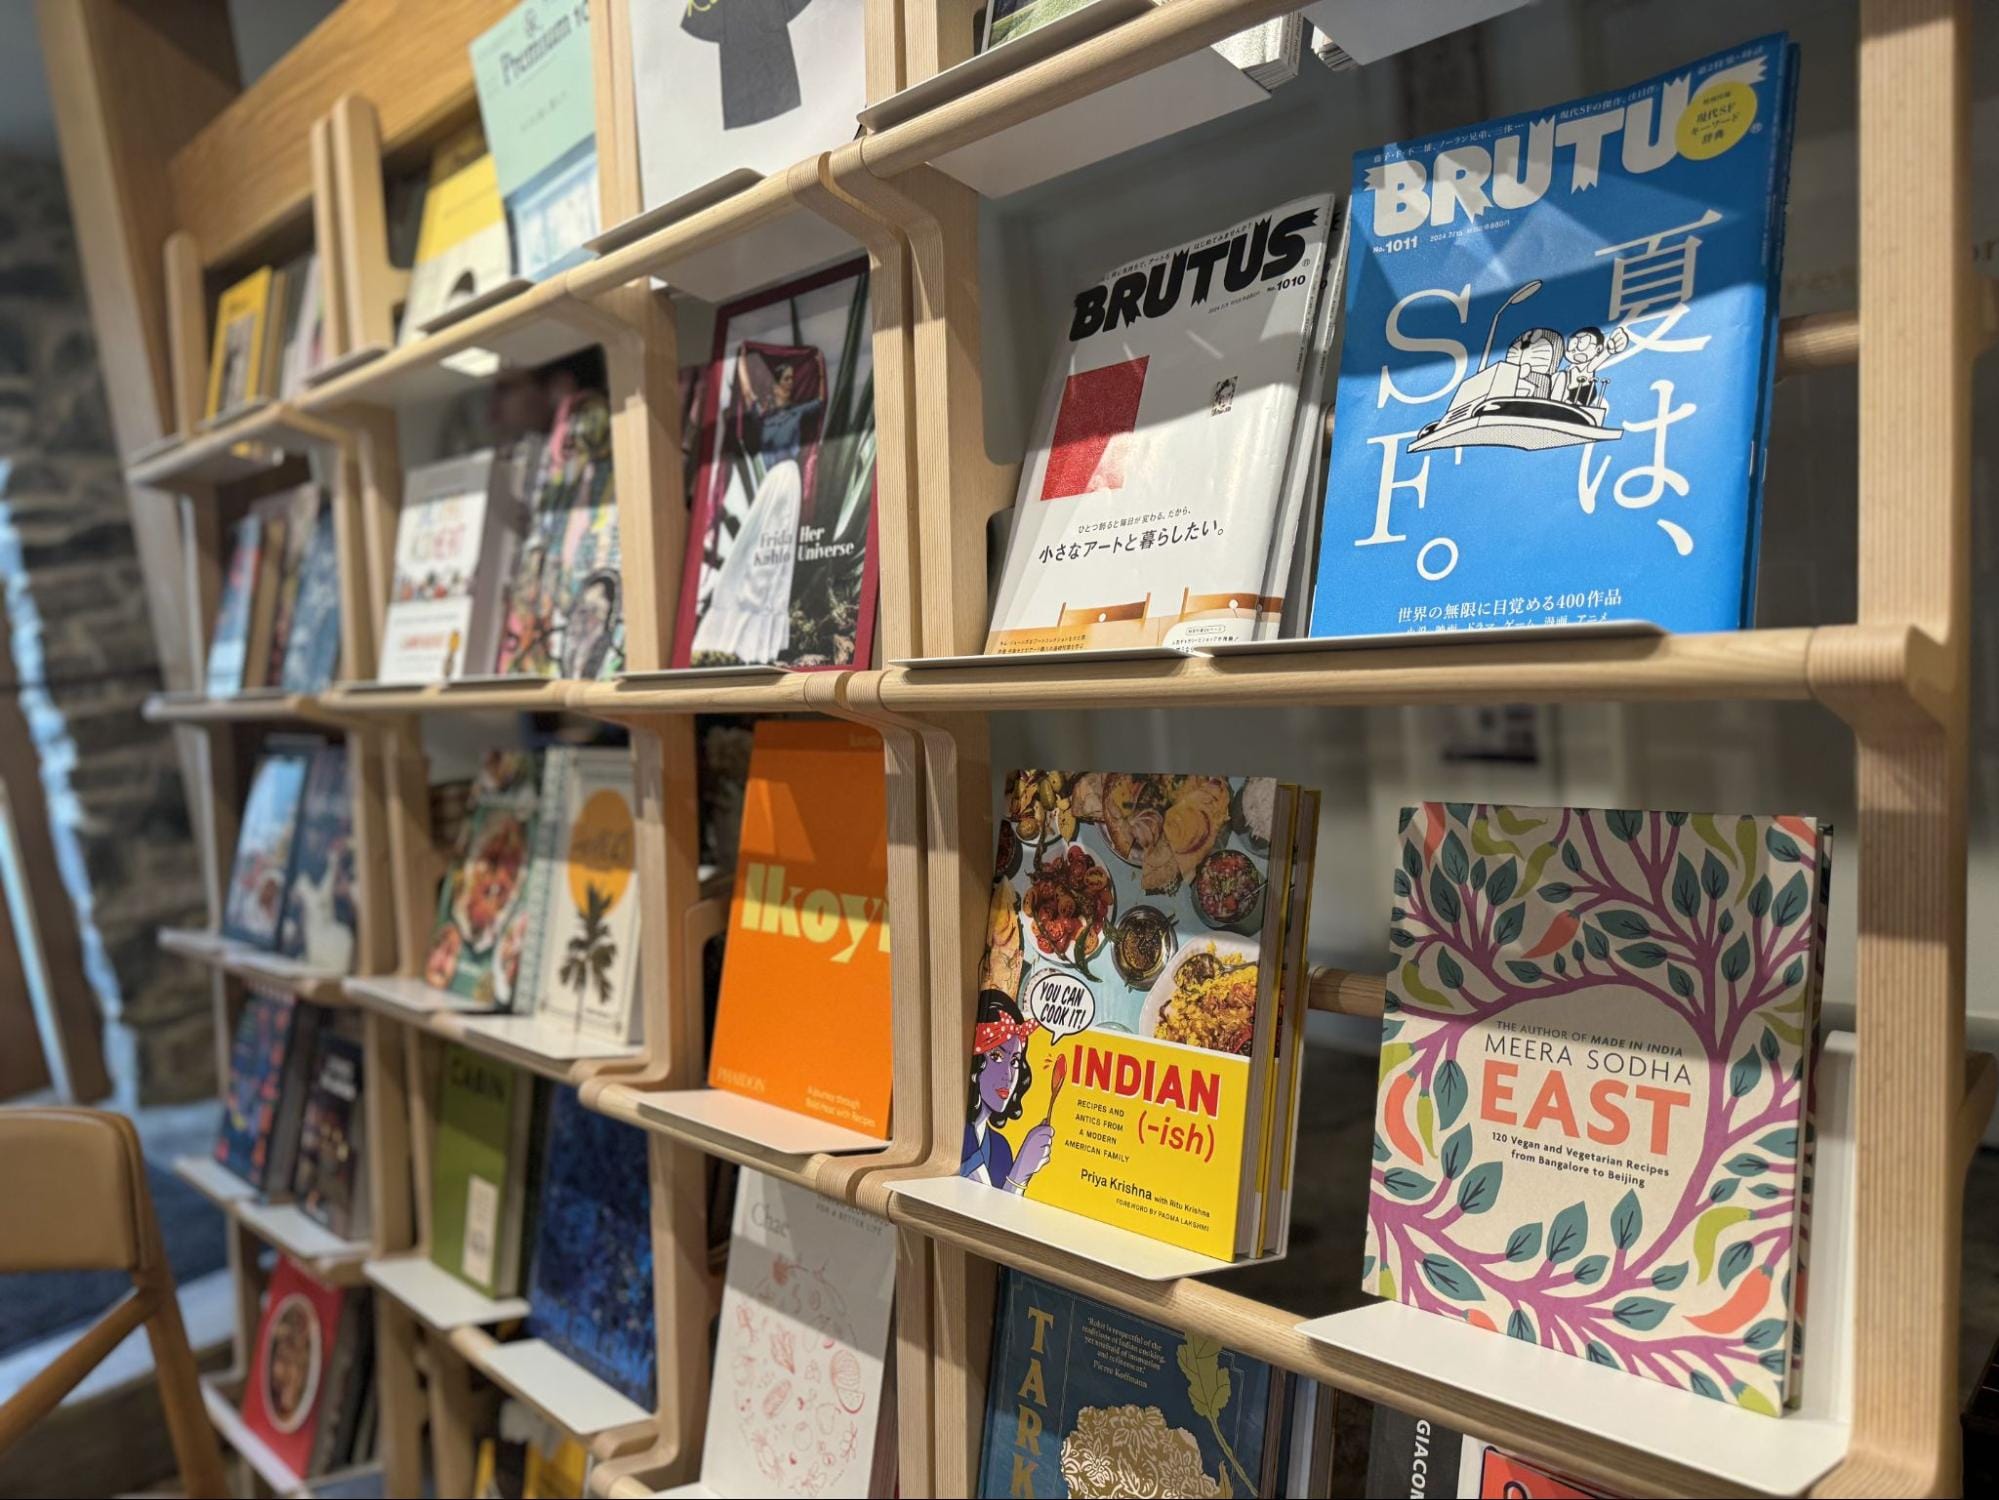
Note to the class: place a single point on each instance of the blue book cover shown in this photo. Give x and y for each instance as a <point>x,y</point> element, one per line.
<point>1085,1400</point>
<point>312,650</point>
<point>1560,339</point>
<point>590,1284</point>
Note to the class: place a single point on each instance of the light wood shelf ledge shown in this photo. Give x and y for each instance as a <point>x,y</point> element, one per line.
<point>254,965</point>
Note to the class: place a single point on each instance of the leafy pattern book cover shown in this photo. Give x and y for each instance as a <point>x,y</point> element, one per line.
<point>1084,1400</point>
<point>1592,1131</point>
<point>1124,1028</point>
<point>1559,346</point>
<point>590,1283</point>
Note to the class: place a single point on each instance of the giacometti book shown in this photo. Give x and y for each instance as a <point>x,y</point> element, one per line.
<point>1161,494</point>
<point>1124,1043</point>
<point>1559,345</point>
<point>1596,1077</point>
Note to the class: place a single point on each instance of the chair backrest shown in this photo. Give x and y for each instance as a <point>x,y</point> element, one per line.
<point>74,1183</point>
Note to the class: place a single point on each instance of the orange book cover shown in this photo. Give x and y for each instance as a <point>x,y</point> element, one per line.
<point>803,1019</point>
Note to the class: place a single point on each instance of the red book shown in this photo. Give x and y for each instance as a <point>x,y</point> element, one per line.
<point>287,1393</point>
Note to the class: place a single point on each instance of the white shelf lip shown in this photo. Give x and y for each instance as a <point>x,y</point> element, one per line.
<point>1588,630</point>
<point>982,68</point>
<point>229,1424</point>
<point>332,369</point>
<point>194,942</point>
<point>1080,656</point>
<point>689,203</point>
<point>439,1299</point>
<point>213,1181</point>
<point>533,1037</point>
<point>493,296</point>
<point>491,681</point>
<point>752,1125</point>
<point>973,1208</point>
<point>553,1383</point>
<point>411,996</point>
<point>678,676</point>
<point>1775,1455</point>
<point>286,1226</point>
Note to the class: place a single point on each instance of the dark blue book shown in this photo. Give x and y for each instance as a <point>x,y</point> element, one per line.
<point>1084,1399</point>
<point>258,1135</point>
<point>1560,339</point>
<point>590,1284</point>
<point>312,649</point>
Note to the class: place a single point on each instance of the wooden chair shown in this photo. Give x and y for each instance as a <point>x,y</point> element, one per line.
<point>74,1185</point>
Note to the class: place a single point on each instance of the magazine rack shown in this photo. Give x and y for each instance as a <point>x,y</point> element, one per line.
<point>1897,677</point>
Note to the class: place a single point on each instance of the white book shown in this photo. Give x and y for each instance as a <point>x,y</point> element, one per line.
<point>581,956</point>
<point>727,86</point>
<point>1156,503</point>
<point>1267,54</point>
<point>454,545</point>
<point>796,1403</point>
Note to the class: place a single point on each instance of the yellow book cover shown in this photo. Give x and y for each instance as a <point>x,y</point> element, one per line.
<point>804,1020</point>
<point>1113,1069</point>
<point>462,250</point>
<point>235,362</point>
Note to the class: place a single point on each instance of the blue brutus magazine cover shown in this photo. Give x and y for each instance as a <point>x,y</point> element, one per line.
<point>1086,1400</point>
<point>590,1287</point>
<point>1560,338</point>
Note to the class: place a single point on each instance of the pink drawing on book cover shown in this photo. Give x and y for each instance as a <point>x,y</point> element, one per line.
<point>1592,1126</point>
<point>796,1386</point>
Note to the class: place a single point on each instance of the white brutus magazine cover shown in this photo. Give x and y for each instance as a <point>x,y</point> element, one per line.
<point>1154,506</point>
<point>795,1405</point>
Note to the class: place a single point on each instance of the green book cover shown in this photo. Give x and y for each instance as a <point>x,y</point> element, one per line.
<point>479,1171</point>
<point>537,101</point>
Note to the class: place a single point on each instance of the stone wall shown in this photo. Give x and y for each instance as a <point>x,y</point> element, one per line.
<point>84,653</point>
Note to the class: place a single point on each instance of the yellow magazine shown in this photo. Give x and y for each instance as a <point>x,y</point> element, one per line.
<point>236,360</point>
<point>462,250</point>
<point>1114,1071</point>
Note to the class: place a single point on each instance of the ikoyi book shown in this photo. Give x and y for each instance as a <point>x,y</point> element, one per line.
<point>537,100</point>
<point>808,930</point>
<point>1595,1082</point>
<point>1559,347</point>
<point>457,529</point>
<point>312,643</point>
<point>757,86</point>
<point>269,1064</point>
<point>590,1282</point>
<point>1085,1400</point>
<point>475,946</point>
<point>796,1403</point>
<point>1125,1032</point>
<point>479,1170</point>
<point>784,508</point>
<point>331,1179</point>
<point>462,251</point>
<point>564,613</point>
<point>319,919</point>
<point>229,647</point>
<point>580,956</point>
<point>1160,497</point>
<point>255,902</point>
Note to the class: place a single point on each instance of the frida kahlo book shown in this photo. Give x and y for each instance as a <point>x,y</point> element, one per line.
<point>1559,347</point>
<point>808,937</point>
<point>784,511</point>
<point>1125,1032</point>
<point>1595,1084</point>
<point>1085,1400</point>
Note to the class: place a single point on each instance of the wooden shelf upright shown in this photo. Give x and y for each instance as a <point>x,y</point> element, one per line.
<point>351,97</point>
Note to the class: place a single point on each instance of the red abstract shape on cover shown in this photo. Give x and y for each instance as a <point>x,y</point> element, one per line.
<point>1505,1478</point>
<point>1097,405</point>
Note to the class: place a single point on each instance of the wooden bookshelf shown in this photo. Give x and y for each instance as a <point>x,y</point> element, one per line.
<point>1897,677</point>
